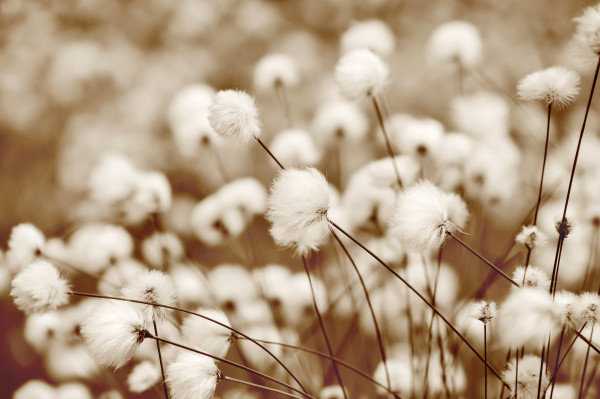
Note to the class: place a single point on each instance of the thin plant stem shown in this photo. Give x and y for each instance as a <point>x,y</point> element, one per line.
<point>585,363</point>
<point>517,373</point>
<point>253,385</point>
<point>539,200</point>
<point>484,260</point>
<point>591,379</point>
<point>233,330</point>
<point>407,284</point>
<point>539,390</point>
<point>503,386</point>
<point>367,297</point>
<point>322,325</point>
<point>162,368</point>
<point>562,235</point>
<point>386,137</point>
<point>485,356</point>
<point>433,291</point>
<point>269,152</point>
<point>560,341</point>
<point>337,360</point>
<point>229,362</point>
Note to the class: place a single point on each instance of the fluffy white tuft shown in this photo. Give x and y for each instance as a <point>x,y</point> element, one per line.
<point>151,286</point>
<point>192,376</point>
<point>118,275</point>
<point>400,376</point>
<point>590,307</point>
<point>531,237</point>
<point>532,277</point>
<point>360,73</point>
<point>570,309</point>
<point>232,286</point>
<point>35,389</point>
<point>275,69</point>
<point>113,179</point>
<point>233,114</point>
<point>162,248</point>
<point>414,136</point>
<point>297,208</point>
<point>247,194</point>
<point>192,286</point>
<point>331,392</point>
<point>339,121</point>
<point>73,390</point>
<point>371,34</point>
<point>25,241</point>
<point>556,86</point>
<point>295,148</point>
<point>424,215</point>
<point>113,331</point>
<point>39,287</point>
<point>205,335</point>
<point>588,29</point>
<point>143,376</point>
<point>526,317</point>
<point>528,377</point>
<point>457,41</point>
<point>484,311</point>
<point>187,102</point>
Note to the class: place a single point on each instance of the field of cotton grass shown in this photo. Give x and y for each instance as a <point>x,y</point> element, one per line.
<point>320,199</point>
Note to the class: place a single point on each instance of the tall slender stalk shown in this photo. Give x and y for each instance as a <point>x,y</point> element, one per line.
<point>585,363</point>
<point>233,330</point>
<point>485,356</point>
<point>269,152</point>
<point>386,137</point>
<point>162,368</point>
<point>416,292</point>
<point>560,341</point>
<point>325,337</point>
<point>229,362</point>
<point>337,360</point>
<point>484,260</point>
<point>562,232</point>
<point>368,298</point>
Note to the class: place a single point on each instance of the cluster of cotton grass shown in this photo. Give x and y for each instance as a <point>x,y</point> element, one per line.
<point>386,288</point>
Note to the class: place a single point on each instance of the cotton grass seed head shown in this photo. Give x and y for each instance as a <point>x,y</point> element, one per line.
<point>532,277</point>
<point>143,376</point>
<point>360,73</point>
<point>556,86</point>
<point>233,114</point>
<point>484,311</point>
<point>113,332</point>
<point>151,286</point>
<point>455,41</point>
<point>590,307</point>
<point>192,376</point>
<point>424,215</point>
<point>297,208</point>
<point>273,70</point>
<point>372,34</point>
<point>531,237</point>
<point>528,377</point>
<point>570,309</point>
<point>39,288</point>
<point>588,29</point>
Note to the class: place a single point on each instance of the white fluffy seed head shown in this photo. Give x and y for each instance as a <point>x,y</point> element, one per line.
<point>414,136</point>
<point>113,332</point>
<point>187,102</point>
<point>35,389</point>
<point>192,376</point>
<point>151,286</point>
<point>339,121</point>
<point>482,114</point>
<point>532,277</point>
<point>143,376</point>
<point>588,29</point>
<point>528,377</point>
<point>457,41</point>
<point>297,208</point>
<point>113,179</point>
<point>331,392</point>
<point>531,237</point>
<point>484,311</point>
<point>162,248</point>
<point>295,148</point>
<point>360,73</point>
<point>73,390</point>
<point>206,335</point>
<point>556,86</point>
<point>590,307</point>
<point>273,70</point>
<point>371,34</point>
<point>39,288</point>
<point>233,114</point>
<point>424,216</point>
<point>25,241</point>
<point>570,309</point>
